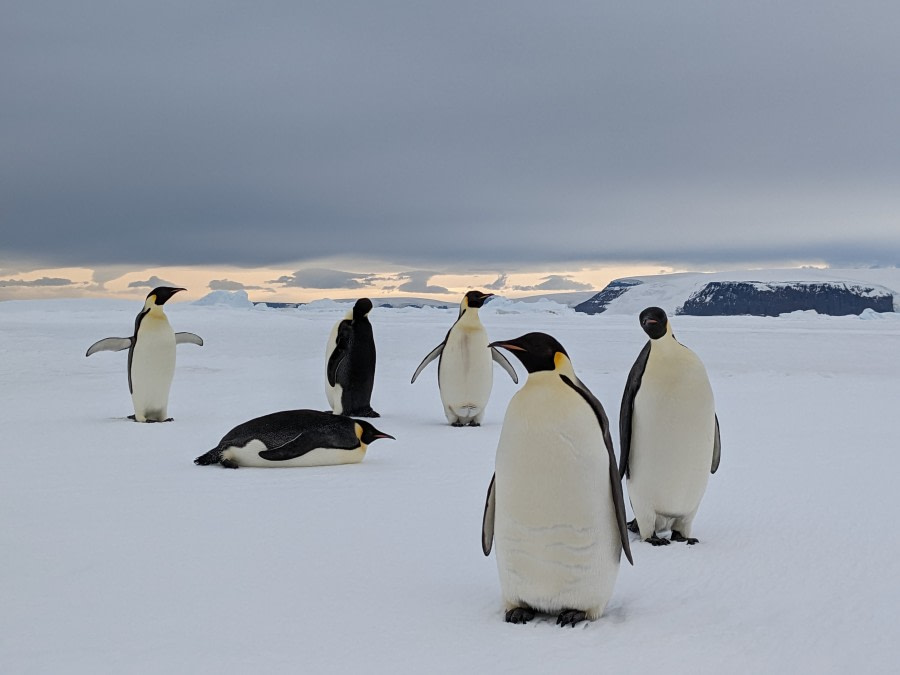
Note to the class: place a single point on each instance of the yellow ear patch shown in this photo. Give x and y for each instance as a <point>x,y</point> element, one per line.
<point>359,431</point>
<point>559,359</point>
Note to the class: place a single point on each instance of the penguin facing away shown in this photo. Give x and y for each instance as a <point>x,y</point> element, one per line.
<point>294,438</point>
<point>669,434</point>
<point>151,356</point>
<point>554,507</point>
<point>465,376</point>
<point>350,363</point>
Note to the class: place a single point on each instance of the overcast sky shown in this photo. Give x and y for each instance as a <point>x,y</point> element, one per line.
<point>448,135</point>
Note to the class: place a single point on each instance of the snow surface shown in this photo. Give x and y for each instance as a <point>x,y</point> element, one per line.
<point>121,556</point>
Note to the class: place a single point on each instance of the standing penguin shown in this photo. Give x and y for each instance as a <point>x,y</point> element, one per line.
<point>350,363</point>
<point>555,505</point>
<point>294,438</point>
<point>465,376</point>
<point>669,434</point>
<point>151,356</point>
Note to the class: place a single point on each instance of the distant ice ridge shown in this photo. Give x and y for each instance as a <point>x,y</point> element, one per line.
<point>501,305</point>
<point>754,292</point>
<point>729,298</point>
<point>237,299</point>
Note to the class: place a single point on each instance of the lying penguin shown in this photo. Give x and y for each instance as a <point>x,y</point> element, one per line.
<point>294,438</point>
<point>151,356</point>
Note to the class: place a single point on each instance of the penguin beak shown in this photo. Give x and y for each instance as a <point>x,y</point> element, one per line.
<point>383,435</point>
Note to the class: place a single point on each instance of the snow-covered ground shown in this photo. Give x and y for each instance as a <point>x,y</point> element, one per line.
<point>121,556</point>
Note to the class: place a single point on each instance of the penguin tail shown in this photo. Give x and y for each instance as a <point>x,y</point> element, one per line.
<point>214,456</point>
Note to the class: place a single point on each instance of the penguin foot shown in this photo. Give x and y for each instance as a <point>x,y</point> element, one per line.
<point>457,423</point>
<point>474,424</point>
<point>677,536</point>
<point>519,615</point>
<point>657,541</point>
<point>633,526</point>
<point>229,464</point>
<point>569,617</point>
<point>362,412</point>
<point>132,418</point>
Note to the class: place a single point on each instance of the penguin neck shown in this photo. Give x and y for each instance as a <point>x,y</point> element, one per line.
<point>542,377</point>
<point>470,317</point>
<point>666,344</point>
<point>154,311</point>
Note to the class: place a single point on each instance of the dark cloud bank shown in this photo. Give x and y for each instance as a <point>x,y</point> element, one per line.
<point>439,134</point>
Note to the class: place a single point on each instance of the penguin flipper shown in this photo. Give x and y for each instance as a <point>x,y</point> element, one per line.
<point>626,410</point>
<point>504,363</point>
<point>110,344</point>
<point>310,439</point>
<point>341,349</point>
<point>615,480</point>
<point>717,449</point>
<point>432,355</point>
<point>188,338</point>
<point>487,523</point>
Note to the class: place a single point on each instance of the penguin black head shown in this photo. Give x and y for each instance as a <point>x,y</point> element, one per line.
<point>476,299</point>
<point>163,293</point>
<point>362,307</point>
<point>536,351</point>
<point>370,433</point>
<point>654,322</point>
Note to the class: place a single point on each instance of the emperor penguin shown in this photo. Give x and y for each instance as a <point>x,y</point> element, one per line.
<point>669,434</point>
<point>465,376</point>
<point>350,363</point>
<point>151,356</point>
<point>554,507</point>
<point>294,438</point>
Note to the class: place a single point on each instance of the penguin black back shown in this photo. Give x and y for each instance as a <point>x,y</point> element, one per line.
<point>351,365</point>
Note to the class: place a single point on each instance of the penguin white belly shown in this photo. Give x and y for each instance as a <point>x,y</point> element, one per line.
<point>555,531</point>
<point>152,368</point>
<point>673,431</point>
<point>248,455</point>
<point>465,372</point>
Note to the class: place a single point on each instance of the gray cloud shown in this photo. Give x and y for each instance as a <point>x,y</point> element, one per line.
<point>556,282</point>
<point>498,284</point>
<point>101,276</point>
<point>36,283</point>
<point>417,282</point>
<point>316,277</point>
<point>228,285</point>
<point>456,134</point>
<point>152,282</point>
